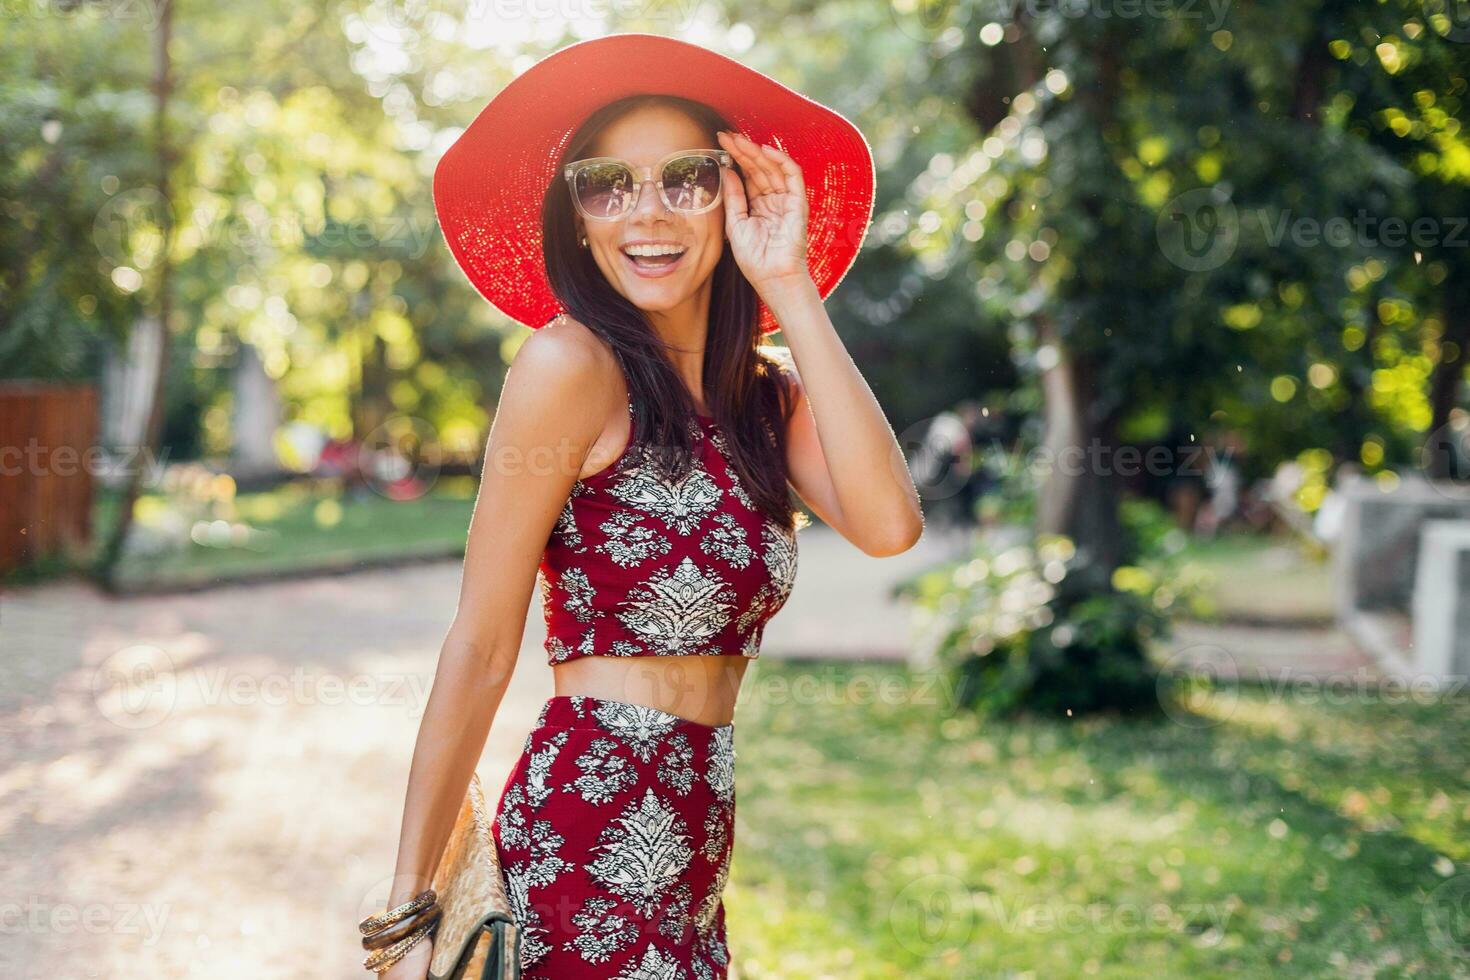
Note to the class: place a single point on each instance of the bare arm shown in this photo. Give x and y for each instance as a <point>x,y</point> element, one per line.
<point>543,429</point>
<point>844,460</point>
<point>842,456</point>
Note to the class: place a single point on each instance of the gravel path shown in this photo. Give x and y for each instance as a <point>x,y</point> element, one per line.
<point>209,784</point>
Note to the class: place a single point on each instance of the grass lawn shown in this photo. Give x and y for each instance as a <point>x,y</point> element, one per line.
<point>1257,577</point>
<point>302,526</point>
<point>296,527</point>
<point>877,837</point>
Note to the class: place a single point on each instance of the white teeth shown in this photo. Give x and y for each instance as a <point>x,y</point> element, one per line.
<point>653,250</point>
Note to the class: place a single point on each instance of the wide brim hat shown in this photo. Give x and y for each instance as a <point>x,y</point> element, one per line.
<point>488,185</point>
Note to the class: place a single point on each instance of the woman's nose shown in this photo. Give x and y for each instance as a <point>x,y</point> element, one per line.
<point>648,197</point>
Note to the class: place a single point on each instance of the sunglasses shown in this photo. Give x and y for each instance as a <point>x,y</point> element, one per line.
<point>606,188</point>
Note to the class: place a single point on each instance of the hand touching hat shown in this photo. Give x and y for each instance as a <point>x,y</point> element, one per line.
<point>765,222</point>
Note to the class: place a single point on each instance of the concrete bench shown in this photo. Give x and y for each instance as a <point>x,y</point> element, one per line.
<point>1442,600</point>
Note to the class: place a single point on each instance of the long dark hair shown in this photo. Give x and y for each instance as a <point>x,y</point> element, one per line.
<point>746,392</point>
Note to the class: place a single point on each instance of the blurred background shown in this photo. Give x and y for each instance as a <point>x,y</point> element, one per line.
<point>1168,302</point>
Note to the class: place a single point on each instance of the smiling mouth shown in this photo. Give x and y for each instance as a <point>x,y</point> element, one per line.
<point>653,266</point>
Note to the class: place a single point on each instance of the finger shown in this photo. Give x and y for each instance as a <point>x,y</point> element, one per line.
<point>771,166</point>
<point>771,176</point>
<point>736,207</point>
<point>789,169</point>
<point>730,141</point>
<point>743,150</point>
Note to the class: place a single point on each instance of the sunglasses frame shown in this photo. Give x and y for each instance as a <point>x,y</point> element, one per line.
<point>646,175</point>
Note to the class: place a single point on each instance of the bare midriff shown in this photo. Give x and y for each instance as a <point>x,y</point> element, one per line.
<point>701,688</point>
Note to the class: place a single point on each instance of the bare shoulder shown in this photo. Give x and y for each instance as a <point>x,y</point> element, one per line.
<point>570,373</point>
<point>565,359</point>
<point>586,354</point>
<point>549,377</point>
<point>563,342</point>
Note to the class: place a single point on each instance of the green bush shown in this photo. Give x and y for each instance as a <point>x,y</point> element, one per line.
<point>1016,630</point>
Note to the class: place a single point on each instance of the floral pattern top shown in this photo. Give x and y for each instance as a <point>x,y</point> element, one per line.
<point>640,564</point>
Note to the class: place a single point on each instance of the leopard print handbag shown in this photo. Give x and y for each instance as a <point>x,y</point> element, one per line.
<point>478,937</point>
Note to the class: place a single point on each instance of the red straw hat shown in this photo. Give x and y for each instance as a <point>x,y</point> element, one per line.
<point>488,186</point>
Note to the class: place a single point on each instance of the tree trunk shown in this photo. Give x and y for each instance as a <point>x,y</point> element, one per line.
<point>1080,496</point>
<point>1444,382</point>
<point>112,550</point>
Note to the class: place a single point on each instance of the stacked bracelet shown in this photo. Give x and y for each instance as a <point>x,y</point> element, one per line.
<point>380,960</point>
<point>390,934</point>
<point>420,901</point>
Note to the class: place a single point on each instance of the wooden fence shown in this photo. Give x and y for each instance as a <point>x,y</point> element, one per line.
<point>48,457</point>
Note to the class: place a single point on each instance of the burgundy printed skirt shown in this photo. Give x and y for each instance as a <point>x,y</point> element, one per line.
<point>615,830</point>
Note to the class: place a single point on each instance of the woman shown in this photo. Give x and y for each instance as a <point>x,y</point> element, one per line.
<point>638,470</point>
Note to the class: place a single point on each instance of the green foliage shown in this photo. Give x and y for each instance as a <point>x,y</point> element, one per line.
<point>1024,175</point>
<point>1088,155</point>
<point>1027,627</point>
<point>300,141</point>
<point>1151,531</point>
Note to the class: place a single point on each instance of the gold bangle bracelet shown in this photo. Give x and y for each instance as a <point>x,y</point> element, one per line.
<point>373,923</point>
<point>389,935</point>
<point>380,960</point>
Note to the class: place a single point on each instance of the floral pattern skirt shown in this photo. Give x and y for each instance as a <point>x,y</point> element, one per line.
<point>615,830</point>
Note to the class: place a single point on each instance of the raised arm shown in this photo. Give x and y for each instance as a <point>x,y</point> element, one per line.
<point>543,429</point>
<point>842,457</point>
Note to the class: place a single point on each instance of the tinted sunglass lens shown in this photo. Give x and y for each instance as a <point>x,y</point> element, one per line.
<point>692,182</point>
<point>604,189</point>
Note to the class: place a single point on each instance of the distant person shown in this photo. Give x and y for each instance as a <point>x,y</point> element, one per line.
<point>942,465</point>
<point>980,431</point>
<point>1224,483</point>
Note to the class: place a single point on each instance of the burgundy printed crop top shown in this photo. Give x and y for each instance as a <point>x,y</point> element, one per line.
<point>642,565</point>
